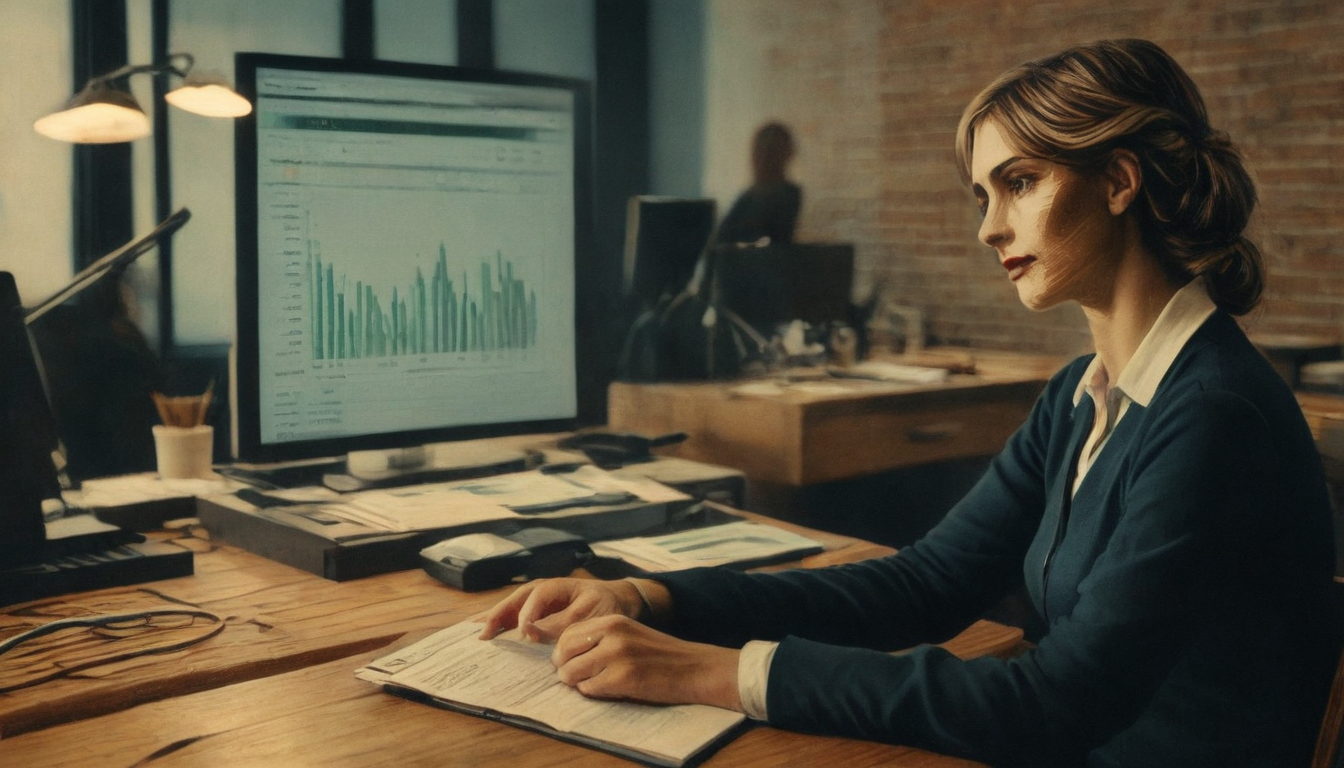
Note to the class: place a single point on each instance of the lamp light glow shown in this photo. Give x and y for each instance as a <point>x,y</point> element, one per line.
<point>94,124</point>
<point>209,99</point>
<point>99,114</point>
<point>102,113</point>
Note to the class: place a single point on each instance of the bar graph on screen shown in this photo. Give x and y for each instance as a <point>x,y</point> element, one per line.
<point>350,319</point>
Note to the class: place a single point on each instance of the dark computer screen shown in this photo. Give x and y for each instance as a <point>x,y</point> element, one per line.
<point>664,237</point>
<point>27,437</point>
<point>410,243</point>
<point>776,284</point>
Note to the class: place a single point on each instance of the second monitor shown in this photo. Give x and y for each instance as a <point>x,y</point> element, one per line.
<point>777,284</point>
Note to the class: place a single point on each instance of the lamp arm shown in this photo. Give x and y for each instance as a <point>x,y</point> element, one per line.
<point>98,269</point>
<point>168,66</point>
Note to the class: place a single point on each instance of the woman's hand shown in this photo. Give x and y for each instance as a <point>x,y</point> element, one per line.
<point>543,609</point>
<point>615,657</point>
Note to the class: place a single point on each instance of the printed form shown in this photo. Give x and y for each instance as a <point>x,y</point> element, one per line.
<point>514,677</point>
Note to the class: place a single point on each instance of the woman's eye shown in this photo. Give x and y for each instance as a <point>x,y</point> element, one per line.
<point>1020,184</point>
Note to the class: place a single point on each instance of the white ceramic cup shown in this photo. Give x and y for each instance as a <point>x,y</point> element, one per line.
<point>184,451</point>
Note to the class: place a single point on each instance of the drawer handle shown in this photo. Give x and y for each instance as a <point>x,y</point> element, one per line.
<point>932,433</point>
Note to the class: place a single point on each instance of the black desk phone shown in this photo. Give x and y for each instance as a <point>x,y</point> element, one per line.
<point>479,561</point>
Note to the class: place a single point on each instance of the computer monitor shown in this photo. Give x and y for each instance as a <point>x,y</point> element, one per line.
<point>664,237</point>
<point>412,248</point>
<point>27,437</point>
<point>776,284</point>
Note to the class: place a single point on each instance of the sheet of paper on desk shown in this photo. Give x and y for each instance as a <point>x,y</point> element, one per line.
<point>416,510</point>
<point>123,490</point>
<point>731,543</point>
<point>515,678</point>
<point>442,505</point>
<point>885,371</point>
<point>523,490</point>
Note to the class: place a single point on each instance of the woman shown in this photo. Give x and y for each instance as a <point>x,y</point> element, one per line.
<point>1164,499</point>
<point>769,207</point>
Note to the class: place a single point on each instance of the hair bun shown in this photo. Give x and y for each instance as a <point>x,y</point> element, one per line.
<point>1236,277</point>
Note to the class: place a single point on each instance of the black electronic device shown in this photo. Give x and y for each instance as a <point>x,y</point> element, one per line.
<point>478,561</point>
<point>616,449</point>
<point>774,284</point>
<point>39,558</point>
<point>27,437</point>
<point>410,244</point>
<point>664,238</point>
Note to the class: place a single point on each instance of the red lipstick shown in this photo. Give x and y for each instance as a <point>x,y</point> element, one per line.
<point>1017,266</point>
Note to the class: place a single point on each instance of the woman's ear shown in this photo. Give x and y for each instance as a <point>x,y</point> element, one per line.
<point>1123,177</point>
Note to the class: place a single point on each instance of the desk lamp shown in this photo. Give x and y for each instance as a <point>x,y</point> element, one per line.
<point>104,112</point>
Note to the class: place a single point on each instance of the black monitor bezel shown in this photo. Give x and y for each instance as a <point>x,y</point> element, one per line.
<point>248,444</point>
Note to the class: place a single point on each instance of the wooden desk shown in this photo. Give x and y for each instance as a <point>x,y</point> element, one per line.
<point>276,687</point>
<point>821,429</point>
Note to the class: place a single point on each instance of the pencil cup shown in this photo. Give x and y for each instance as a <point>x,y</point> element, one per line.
<point>184,451</point>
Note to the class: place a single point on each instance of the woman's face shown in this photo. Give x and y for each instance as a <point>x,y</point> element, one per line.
<point>1051,226</point>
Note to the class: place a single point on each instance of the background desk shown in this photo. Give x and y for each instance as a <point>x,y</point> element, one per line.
<point>277,687</point>
<point>820,430</point>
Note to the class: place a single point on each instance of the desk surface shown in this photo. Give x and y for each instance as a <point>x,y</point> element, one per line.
<point>800,431</point>
<point>277,685</point>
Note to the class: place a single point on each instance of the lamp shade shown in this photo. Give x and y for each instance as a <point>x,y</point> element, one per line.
<point>99,114</point>
<point>209,99</point>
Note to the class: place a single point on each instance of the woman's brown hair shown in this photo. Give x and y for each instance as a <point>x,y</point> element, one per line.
<point>771,150</point>
<point>1079,106</point>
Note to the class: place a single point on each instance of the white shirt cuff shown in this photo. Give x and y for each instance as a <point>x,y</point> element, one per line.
<point>753,674</point>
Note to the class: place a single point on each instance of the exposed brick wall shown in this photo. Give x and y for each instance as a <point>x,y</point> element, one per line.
<point>875,89</point>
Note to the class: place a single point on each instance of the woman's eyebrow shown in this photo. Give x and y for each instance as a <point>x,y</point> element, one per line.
<point>997,171</point>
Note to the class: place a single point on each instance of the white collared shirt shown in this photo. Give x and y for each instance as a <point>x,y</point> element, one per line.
<point>1137,383</point>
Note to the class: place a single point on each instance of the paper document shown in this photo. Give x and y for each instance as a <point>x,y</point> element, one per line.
<point>464,502</point>
<point>514,678</point>
<point>883,371</point>
<point>743,544</point>
<point>124,490</point>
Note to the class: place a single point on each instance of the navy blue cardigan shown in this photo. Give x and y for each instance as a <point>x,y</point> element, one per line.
<point>1184,588</point>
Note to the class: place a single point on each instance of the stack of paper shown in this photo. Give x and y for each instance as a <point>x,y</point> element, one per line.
<point>512,680</point>
<point>742,544</point>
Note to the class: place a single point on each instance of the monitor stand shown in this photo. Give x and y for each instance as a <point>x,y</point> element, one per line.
<point>435,462</point>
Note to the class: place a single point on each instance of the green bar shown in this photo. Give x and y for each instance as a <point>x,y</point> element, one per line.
<point>318,348</point>
<point>370,324</point>
<point>396,323</point>
<point>402,337</point>
<point>331,312</point>
<point>340,313</point>
<point>421,315</point>
<point>452,320</point>
<point>357,343</point>
<point>532,318</point>
<point>436,286</point>
<point>463,346</point>
<point>445,299</point>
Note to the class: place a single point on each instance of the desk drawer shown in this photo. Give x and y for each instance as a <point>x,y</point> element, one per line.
<point>847,444</point>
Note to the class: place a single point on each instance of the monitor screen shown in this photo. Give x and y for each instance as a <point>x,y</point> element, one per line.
<point>27,437</point>
<point>664,237</point>
<point>776,284</point>
<point>408,245</point>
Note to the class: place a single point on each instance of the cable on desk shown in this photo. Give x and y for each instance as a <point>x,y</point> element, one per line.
<point>109,624</point>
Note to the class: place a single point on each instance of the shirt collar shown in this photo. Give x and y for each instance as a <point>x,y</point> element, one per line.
<point>1183,315</point>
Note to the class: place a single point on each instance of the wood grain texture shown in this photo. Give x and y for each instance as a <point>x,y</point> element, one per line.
<point>277,619</point>
<point>276,687</point>
<point>819,430</point>
<point>323,716</point>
